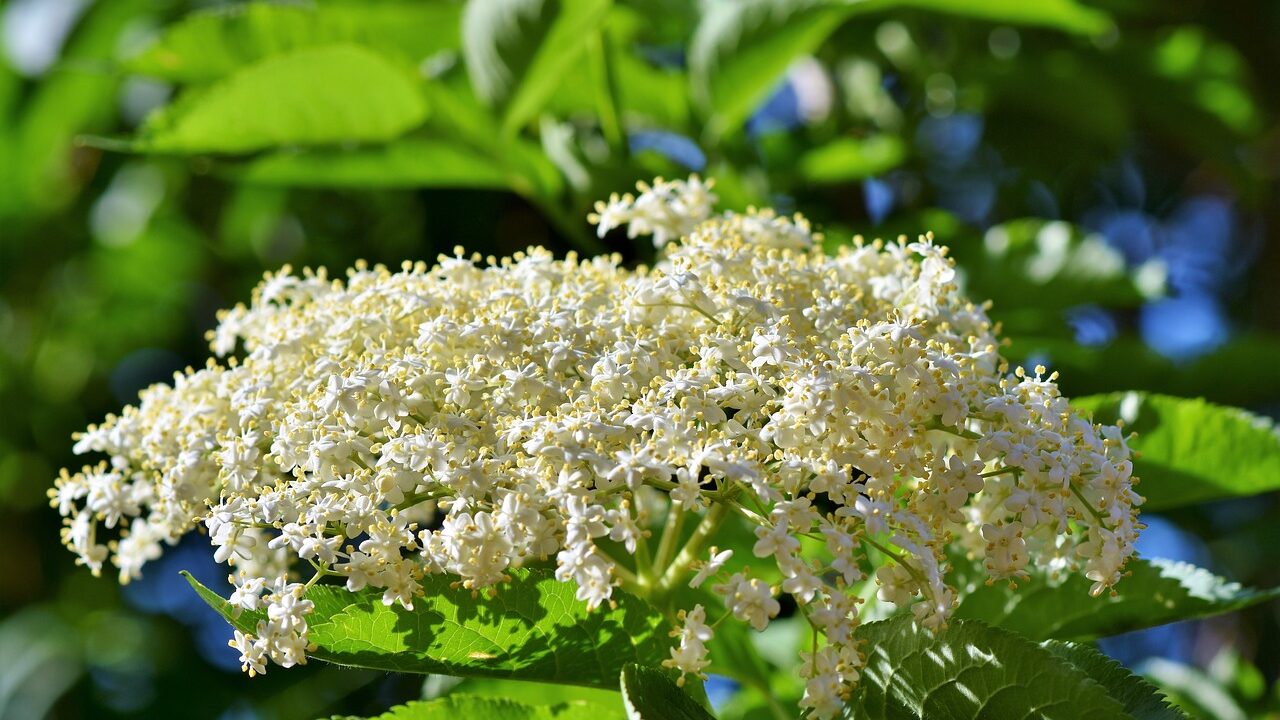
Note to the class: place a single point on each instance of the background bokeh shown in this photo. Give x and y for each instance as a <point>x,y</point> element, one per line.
<point>1109,180</point>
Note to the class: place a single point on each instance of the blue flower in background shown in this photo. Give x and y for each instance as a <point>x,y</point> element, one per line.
<point>673,146</point>
<point>805,96</point>
<point>1200,246</point>
<point>964,180</point>
<point>1132,232</point>
<point>720,690</point>
<point>780,112</point>
<point>970,198</point>
<point>1203,251</point>
<point>879,196</point>
<point>950,141</point>
<point>1093,326</point>
<point>1183,327</point>
<point>161,589</point>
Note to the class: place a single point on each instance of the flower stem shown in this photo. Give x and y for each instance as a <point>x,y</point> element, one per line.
<point>670,536</point>
<point>692,549</point>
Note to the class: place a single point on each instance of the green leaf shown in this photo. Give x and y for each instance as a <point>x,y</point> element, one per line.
<point>651,694</point>
<point>852,159</point>
<point>1191,688</point>
<point>1140,699</point>
<point>519,51</point>
<point>209,44</point>
<point>1154,593</point>
<point>969,671</point>
<point>1192,451</point>
<point>314,96</point>
<point>537,693</point>
<point>470,707</point>
<point>407,162</point>
<point>741,48</point>
<point>532,629</point>
<point>1065,15</point>
<point>647,95</point>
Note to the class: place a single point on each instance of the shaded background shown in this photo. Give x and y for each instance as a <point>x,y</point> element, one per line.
<point>1111,187</point>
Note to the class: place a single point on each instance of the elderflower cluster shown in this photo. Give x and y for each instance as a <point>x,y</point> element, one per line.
<point>472,417</point>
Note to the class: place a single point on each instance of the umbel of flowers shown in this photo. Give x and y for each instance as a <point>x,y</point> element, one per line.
<point>473,416</point>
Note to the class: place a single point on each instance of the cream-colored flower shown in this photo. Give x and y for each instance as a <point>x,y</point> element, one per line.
<point>469,417</point>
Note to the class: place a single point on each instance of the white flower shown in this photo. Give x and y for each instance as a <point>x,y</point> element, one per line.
<point>690,656</point>
<point>749,599</point>
<point>1006,550</point>
<point>475,417</point>
<point>710,567</point>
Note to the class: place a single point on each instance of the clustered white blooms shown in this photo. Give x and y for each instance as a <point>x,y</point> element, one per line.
<point>475,416</point>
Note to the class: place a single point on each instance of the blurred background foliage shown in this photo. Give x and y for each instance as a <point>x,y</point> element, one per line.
<point>1104,172</point>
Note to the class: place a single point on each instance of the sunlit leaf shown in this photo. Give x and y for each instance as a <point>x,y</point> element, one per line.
<point>852,159</point>
<point>470,707</point>
<point>533,628</point>
<point>316,96</point>
<point>209,44</point>
<point>1192,451</point>
<point>408,162</point>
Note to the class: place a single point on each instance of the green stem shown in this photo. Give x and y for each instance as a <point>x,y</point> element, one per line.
<point>644,562</point>
<point>1088,506</point>
<point>418,499</point>
<point>670,536</point>
<point>936,424</point>
<point>692,549</point>
<point>687,306</point>
<point>915,574</point>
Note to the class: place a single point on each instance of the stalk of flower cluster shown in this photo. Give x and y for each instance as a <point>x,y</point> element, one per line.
<point>467,418</point>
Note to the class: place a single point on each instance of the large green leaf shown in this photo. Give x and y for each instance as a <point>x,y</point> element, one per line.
<point>209,44</point>
<point>315,96</point>
<point>651,694</point>
<point>741,48</point>
<point>1154,593</point>
<point>1192,451</point>
<point>532,629</point>
<point>969,671</point>
<point>1140,698</point>
<point>471,707</point>
<point>519,51</point>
